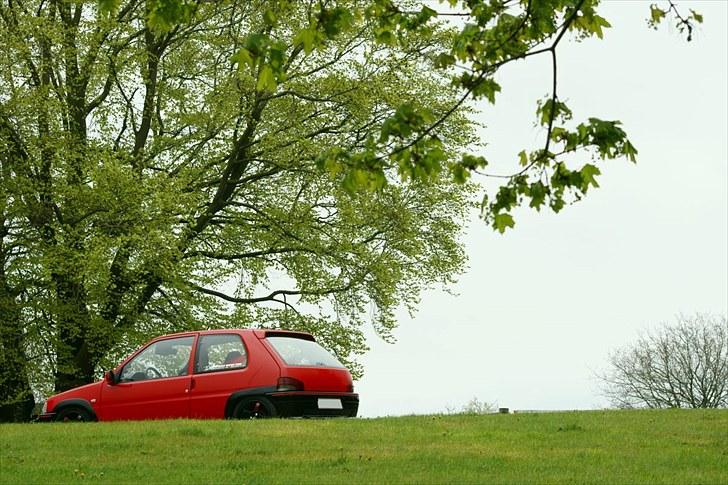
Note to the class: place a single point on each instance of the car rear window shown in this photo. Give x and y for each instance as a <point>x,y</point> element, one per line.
<point>298,352</point>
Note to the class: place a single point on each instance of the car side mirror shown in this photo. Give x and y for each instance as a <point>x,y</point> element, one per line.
<point>110,377</point>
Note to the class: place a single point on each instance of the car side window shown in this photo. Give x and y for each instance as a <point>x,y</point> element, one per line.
<point>220,352</point>
<point>165,358</point>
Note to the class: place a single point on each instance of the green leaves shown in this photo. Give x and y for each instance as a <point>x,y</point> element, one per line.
<point>443,60</point>
<point>270,17</point>
<point>522,158</point>
<point>393,25</point>
<point>588,176</point>
<point>656,15</point>
<point>357,172</point>
<point>264,58</point>
<point>485,88</point>
<point>108,6</point>
<point>357,179</point>
<point>538,192</point>
<point>492,35</point>
<point>243,58</point>
<point>591,24</point>
<point>164,15</point>
<point>629,151</point>
<point>408,142</point>
<point>266,80</point>
<point>308,38</point>
<point>503,221</point>
<point>552,108</point>
<point>545,177</point>
<point>257,44</point>
<point>684,23</point>
<point>408,119</point>
<point>335,20</point>
<point>329,23</point>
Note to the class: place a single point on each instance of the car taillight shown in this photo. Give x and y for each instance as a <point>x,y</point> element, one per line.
<point>289,384</point>
<point>350,388</point>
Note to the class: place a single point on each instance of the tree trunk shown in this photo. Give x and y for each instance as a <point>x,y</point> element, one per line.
<point>16,397</point>
<point>75,362</point>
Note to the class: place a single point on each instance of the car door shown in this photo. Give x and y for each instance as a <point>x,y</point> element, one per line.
<point>221,368</point>
<point>154,384</point>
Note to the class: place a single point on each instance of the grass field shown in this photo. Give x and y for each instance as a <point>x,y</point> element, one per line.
<point>665,446</point>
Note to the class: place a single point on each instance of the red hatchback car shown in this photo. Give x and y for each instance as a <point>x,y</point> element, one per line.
<point>212,374</point>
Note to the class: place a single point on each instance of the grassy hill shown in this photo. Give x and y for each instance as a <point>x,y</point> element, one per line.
<point>662,446</point>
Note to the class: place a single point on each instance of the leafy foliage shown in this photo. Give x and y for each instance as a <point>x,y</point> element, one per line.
<point>163,176</point>
<point>486,35</point>
<point>684,24</point>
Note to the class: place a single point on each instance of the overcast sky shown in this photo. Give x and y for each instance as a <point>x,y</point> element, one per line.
<point>540,308</point>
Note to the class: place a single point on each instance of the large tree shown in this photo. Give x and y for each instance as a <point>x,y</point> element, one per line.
<point>156,181</point>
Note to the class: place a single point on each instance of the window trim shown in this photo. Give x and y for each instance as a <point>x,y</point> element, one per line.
<point>212,371</point>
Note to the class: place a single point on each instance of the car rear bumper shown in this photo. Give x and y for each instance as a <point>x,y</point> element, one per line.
<point>45,417</point>
<point>315,404</point>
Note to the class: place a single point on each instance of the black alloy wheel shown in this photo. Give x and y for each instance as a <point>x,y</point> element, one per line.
<point>254,408</point>
<point>73,414</point>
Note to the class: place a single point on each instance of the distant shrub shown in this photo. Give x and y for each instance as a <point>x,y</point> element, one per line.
<point>474,406</point>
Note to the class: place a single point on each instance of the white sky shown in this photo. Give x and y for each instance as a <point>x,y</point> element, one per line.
<point>541,307</point>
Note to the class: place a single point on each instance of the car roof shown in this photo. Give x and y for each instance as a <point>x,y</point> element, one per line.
<point>260,333</point>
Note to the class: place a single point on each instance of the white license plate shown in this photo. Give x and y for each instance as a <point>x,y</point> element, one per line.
<point>330,404</point>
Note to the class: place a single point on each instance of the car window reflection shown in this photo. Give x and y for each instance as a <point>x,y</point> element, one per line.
<point>162,359</point>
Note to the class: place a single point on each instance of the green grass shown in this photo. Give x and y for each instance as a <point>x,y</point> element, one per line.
<point>665,446</point>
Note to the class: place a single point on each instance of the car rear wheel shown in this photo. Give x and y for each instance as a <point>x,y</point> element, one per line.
<point>254,408</point>
<point>73,414</point>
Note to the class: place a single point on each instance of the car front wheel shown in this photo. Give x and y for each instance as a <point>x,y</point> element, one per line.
<point>73,414</point>
<point>254,408</point>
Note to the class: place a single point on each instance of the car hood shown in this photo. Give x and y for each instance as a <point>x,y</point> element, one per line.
<point>88,392</point>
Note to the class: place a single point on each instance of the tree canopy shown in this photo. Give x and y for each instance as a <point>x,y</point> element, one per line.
<point>172,164</point>
<point>152,182</point>
<point>487,35</point>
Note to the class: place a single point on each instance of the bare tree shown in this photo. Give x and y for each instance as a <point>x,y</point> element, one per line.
<point>684,365</point>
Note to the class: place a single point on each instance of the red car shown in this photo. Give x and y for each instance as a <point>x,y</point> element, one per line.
<point>212,374</point>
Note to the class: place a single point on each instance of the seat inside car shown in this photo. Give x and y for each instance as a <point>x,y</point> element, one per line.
<point>234,357</point>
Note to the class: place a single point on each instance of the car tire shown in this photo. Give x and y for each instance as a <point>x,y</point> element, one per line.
<point>254,408</point>
<point>73,414</point>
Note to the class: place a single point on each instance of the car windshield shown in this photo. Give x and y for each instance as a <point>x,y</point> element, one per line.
<point>299,352</point>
